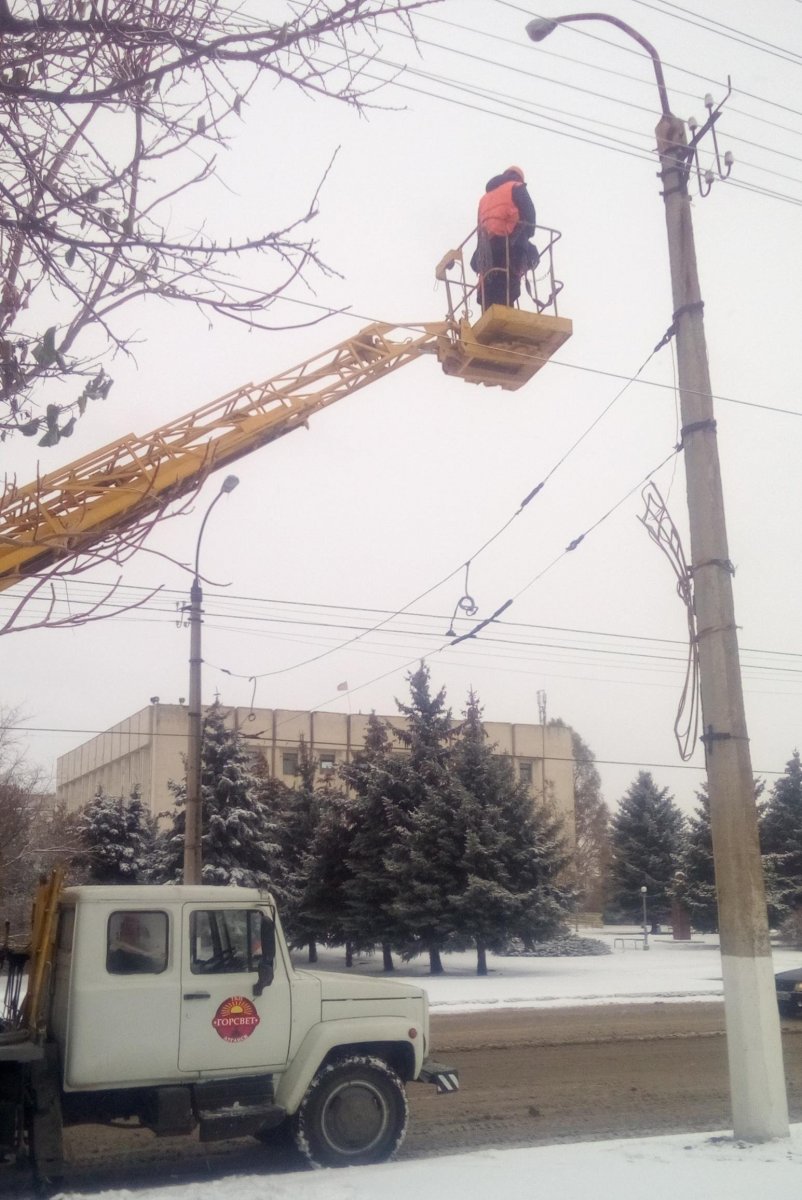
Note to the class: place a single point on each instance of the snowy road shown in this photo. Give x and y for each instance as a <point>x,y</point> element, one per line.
<point>529,1078</point>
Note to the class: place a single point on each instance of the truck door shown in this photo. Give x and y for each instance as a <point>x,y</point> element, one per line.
<point>224,1026</point>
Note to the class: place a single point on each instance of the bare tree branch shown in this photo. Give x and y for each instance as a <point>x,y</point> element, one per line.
<point>111,112</point>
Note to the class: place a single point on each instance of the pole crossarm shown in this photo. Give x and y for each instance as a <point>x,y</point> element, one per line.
<point>61,513</point>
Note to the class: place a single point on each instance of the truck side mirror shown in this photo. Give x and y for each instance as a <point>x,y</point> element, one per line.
<point>264,975</point>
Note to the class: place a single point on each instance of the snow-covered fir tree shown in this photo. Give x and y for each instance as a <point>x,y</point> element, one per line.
<point>117,836</point>
<point>513,850</point>
<point>648,835</point>
<point>377,783</point>
<point>781,842</point>
<point>325,898</point>
<point>238,843</point>
<point>695,887</point>
<point>296,824</point>
<point>426,861</point>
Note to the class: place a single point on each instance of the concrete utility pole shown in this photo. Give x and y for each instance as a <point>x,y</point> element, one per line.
<point>757,1082</point>
<point>193,812</point>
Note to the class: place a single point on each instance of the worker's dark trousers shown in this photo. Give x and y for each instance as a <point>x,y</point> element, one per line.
<point>500,284</point>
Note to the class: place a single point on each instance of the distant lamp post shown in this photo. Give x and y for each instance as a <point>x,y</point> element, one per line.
<point>193,821</point>
<point>645,920</point>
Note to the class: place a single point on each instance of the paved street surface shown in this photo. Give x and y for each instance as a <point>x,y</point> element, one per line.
<point>528,1078</point>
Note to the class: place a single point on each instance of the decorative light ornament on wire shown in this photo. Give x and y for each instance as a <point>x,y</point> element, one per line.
<point>663,531</point>
<point>465,605</point>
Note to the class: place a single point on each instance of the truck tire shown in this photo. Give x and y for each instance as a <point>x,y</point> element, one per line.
<point>355,1112</point>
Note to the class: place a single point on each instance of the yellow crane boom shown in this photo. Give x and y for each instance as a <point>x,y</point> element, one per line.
<point>66,512</point>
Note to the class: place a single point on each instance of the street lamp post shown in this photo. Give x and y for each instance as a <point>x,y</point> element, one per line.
<point>757,1083</point>
<point>193,812</point>
<point>645,920</point>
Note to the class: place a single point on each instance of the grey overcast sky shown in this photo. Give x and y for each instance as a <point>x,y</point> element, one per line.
<point>393,489</point>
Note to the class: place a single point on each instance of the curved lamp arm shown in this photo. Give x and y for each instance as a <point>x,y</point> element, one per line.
<point>541,27</point>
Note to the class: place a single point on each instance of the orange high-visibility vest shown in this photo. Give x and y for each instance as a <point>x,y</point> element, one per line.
<point>498,212</point>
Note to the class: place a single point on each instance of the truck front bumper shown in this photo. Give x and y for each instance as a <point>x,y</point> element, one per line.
<point>445,1079</point>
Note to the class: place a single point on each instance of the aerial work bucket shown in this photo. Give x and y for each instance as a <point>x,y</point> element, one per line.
<point>504,346</point>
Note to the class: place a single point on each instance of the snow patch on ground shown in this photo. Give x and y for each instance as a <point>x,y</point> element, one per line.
<point>667,972</point>
<point>692,1165</point>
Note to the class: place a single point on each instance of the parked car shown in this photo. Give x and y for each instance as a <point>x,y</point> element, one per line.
<point>789,991</point>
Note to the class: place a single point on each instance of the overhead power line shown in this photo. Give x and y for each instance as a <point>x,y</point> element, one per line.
<point>699,21</point>
<point>606,762</point>
<point>627,49</point>
<point>531,74</point>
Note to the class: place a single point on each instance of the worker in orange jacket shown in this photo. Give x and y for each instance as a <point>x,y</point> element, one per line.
<point>505,223</point>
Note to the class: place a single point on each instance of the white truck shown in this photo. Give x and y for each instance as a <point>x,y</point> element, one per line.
<point>180,1007</point>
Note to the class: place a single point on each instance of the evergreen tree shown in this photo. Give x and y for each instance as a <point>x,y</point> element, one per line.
<point>238,843</point>
<point>592,816</point>
<point>325,899</point>
<point>513,850</point>
<point>647,846</point>
<point>696,886</point>
<point>781,841</point>
<point>117,837</point>
<point>297,825</point>
<point>426,863</point>
<point>377,781</point>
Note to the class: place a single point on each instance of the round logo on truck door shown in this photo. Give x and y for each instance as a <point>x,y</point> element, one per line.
<point>235,1019</point>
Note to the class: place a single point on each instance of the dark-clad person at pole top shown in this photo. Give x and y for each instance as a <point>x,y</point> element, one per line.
<point>504,252</point>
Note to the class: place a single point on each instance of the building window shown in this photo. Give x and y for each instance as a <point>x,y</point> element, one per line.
<point>525,772</point>
<point>289,762</point>
<point>328,761</point>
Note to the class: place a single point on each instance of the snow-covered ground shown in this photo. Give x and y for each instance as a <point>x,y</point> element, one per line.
<point>693,1165</point>
<point>668,971</point>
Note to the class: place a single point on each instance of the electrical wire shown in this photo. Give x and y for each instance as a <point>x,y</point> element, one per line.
<point>700,21</point>
<point>607,762</point>
<point>488,542</point>
<point>258,602</point>
<point>626,49</point>
<point>638,79</point>
<point>632,658</point>
<point>507,604</point>
<point>532,107</point>
<point>612,144</point>
<point>719,397</point>
<point>609,144</point>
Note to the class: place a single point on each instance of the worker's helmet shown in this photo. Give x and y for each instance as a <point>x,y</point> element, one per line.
<point>518,171</point>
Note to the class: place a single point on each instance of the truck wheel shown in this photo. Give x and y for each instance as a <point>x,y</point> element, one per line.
<point>355,1112</point>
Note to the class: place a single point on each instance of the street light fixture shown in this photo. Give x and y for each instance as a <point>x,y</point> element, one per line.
<point>645,920</point>
<point>757,1083</point>
<point>193,811</point>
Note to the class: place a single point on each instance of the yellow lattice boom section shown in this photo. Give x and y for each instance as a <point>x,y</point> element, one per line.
<point>67,512</point>
<point>71,509</point>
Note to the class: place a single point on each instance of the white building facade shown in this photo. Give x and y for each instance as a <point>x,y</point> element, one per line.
<point>147,750</point>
